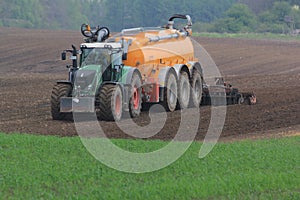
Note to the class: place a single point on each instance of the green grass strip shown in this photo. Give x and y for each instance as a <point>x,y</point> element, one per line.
<point>46,167</point>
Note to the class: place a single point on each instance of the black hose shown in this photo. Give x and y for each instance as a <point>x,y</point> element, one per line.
<point>177,16</point>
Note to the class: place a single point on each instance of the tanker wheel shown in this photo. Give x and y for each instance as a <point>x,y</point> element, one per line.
<point>170,92</point>
<point>247,101</point>
<point>60,90</point>
<point>196,84</point>
<point>135,102</point>
<point>111,103</point>
<point>184,91</point>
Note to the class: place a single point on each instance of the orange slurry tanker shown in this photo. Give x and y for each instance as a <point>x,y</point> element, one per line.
<point>113,75</point>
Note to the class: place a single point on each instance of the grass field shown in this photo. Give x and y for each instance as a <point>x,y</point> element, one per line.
<point>40,167</point>
<point>259,36</point>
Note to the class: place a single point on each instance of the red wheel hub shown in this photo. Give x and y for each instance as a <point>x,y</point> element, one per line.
<point>118,105</point>
<point>136,98</point>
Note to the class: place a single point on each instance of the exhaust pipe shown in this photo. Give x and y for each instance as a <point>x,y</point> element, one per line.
<point>103,34</point>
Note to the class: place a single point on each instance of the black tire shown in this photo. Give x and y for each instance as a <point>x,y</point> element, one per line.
<point>235,96</point>
<point>60,90</point>
<point>110,103</point>
<point>229,100</point>
<point>171,92</point>
<point>196,89</point>
<point>208,100</point>
<point>135,100</point>
<point>247,101</point>
<point>184,91</point>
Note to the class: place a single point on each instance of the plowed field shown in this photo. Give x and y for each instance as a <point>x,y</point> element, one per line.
<point>30,64</point>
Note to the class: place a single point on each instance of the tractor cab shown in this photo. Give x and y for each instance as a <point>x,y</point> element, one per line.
<point>103,57</point>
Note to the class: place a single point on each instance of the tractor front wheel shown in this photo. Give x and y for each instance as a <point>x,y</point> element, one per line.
<point>60,90</point>
<point>111,103</point>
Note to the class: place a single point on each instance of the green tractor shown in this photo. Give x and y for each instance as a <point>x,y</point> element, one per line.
<point>98,82</point>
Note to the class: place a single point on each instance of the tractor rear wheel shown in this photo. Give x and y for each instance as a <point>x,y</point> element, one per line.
<point>60,90</point>
<point>135,102</point>
<point>184,91</point>
<point>170,92</point>
<point>110,103</point>
<point>196,84</point>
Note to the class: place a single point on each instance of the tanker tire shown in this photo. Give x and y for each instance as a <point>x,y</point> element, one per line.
<point>170,92</point>
<point>196,89</point>
<point>247,101</point>
<point>110,103</point>
<point>135,102</point>
<point>184,91</point>
<point>60,90</point>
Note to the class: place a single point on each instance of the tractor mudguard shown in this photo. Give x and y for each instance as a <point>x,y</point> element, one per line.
<point>127,74</point>
<point>124,89</point>
<point>65,82</point>
<point>163,75</point>
<point>179,67</point>
<point>195,66</point>
<point>162,80</point>
<point>123,86</point>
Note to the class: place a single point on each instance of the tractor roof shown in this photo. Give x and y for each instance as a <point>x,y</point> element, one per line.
<point>101,45</point>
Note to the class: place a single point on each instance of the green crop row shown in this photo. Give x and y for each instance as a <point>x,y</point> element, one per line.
<point>47,167</point>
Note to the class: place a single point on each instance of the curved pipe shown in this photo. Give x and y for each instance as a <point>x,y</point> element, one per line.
<point>103,34</point>
<point>178,16</point>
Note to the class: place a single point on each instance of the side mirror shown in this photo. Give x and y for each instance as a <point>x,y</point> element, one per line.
<point>63,56</point>
<point>118,68</point>
<point>124,56</point>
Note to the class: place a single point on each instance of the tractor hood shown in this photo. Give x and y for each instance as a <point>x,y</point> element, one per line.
<point>87,80</point>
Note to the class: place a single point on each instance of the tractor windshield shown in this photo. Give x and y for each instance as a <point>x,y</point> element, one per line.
<point>95,56</point>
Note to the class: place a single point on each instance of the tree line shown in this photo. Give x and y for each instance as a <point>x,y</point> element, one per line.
<point>211,16</point>
<point>277,17</point>
<point>116,14</point>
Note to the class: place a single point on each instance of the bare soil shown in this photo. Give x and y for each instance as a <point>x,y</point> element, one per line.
<point>30,64</point>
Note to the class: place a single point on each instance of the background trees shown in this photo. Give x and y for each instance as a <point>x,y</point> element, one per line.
<point>248,16</point>
<point>214,15</point>
<point>117,14</point>
<point>239,18</point>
